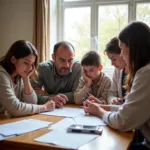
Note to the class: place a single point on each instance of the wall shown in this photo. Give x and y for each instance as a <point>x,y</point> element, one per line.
<point>16,22</point>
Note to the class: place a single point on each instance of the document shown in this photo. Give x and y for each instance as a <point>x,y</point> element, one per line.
<point>68,140</point>
<point>62,124</point>
<point>65,112</point>
<point>5,137</point>
<point>85,119</point>
<point>23,126</point>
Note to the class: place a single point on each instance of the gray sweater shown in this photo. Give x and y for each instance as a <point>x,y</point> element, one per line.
<point>135,112</point>
<point>12,98</point>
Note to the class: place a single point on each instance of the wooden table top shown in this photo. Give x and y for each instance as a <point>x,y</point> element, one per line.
<point>109,140</point>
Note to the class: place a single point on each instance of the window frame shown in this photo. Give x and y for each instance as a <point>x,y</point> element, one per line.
<point>94,6</point>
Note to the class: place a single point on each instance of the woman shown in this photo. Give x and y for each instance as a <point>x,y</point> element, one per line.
<point>134,42</point>
<point>117,91</point>
<point>16,94</point>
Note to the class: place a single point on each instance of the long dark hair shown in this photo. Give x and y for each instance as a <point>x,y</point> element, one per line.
<point>19,49</point>
<point>113,46</point>
<point>137,37</point>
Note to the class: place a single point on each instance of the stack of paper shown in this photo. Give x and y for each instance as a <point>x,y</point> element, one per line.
<point>22,126</point>
<point>65,139</point>
<point>65,112</point>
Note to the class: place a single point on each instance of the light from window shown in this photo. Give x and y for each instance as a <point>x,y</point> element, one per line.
<point>72,0</point>
<point>112,19</point>
<point>143,13</point>
<point>77,29</point>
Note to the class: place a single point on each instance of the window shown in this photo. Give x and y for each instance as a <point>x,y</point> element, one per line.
<point>112,18</point>
<point>90,24</point>
<point>77,29</point>
<point>143,12</point>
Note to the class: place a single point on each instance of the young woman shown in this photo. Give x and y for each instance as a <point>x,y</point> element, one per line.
<point>16,94</point>
<point>134,42</point>
<point>94,84</point>
<point>117,90</point>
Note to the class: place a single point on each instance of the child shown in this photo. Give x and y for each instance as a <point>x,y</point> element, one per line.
<point>16,94</point>
<point>94,84</point>
<point>117,90</point>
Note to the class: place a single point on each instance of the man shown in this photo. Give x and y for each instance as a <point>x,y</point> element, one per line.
<point>59,78</point>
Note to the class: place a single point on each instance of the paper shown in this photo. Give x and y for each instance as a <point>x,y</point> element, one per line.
<point>22,126</point>
<point>85,119</point>
<point>65,139</point>
<point>5,137</point>
<point>63,124</point>
<point>65,112</point>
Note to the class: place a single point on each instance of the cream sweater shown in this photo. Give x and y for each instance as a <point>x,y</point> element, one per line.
<point>135,112</point>
<point>12,98</point>
<point>115,90</point>
<point>99,90</point>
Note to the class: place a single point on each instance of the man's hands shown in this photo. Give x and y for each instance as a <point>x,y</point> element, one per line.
<point>59,100</point>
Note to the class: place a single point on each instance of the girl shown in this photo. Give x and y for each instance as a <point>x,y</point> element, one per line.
<point>94,84</point>
<point>16,94</point>
<point>134,42</point>
<point>117,90</point>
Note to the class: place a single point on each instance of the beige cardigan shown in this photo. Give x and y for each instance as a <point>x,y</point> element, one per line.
<point>19,105</point>
<point>99,90</point>
<point>115,90</point>
<point>135,112</point>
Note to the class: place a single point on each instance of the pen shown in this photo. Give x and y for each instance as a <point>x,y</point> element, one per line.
<point>84,99</point>
<point>88,93</point>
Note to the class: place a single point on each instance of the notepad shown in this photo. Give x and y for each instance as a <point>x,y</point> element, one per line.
<point>64,139</point>
<point>23,126</point>
<point>65,112</point>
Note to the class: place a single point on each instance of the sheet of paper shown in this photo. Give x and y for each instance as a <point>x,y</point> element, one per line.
<point>65,139</point>
<point>22,126</point>
<point>62,124</point>
<point>5,137</point>
<point>85,119</point>
<point>65,112</point>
